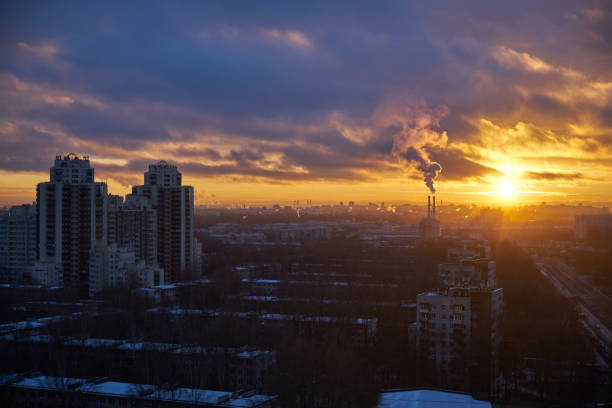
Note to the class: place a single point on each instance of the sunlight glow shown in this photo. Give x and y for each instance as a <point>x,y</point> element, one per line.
<point>506,189</point>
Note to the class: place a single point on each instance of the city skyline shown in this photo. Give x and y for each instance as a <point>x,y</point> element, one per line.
<point>273,103</point>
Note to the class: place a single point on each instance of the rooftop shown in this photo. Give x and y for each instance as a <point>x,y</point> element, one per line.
<point>141,391</point>
<point>425,398</point>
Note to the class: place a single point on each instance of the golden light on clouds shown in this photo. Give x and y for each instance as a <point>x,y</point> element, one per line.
<point>286,108</point>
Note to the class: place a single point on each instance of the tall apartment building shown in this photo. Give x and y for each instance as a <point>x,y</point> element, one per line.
<point>133,224</point>
<point>17,243</point>
<point>174,207</point>
<point>458,338</point>
<point>71,213</point>
<point>459,325</point>
<point>594,226</point>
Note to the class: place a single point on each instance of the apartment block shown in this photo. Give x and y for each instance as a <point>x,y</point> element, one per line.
<point>458,337</point>
<point>174,207</point>
<point>71,212</point>
<point>17,243</point>
<point>132,223</point>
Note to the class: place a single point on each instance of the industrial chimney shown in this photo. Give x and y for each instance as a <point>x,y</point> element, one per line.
<point>428,206</point>
<point>434,206</point>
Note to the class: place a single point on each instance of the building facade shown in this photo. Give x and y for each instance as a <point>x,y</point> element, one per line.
<point>594,227</point>
<point>174,207</point>
<point>458,338</point>
<point>112,266</point>
<point>71,216</point>
<point>133,224</point>
<point>459,325</point>
<point>17,243</point>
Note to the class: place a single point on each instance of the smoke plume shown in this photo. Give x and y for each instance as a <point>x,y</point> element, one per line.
<point>415,129</point>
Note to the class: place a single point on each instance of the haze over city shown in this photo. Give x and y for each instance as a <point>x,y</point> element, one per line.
<point>276,102</point>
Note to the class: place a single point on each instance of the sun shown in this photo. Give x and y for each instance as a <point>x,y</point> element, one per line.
<point>506,189</point>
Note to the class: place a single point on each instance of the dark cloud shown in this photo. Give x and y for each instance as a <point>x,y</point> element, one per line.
<point>455,166</point>
<point>545,175</point>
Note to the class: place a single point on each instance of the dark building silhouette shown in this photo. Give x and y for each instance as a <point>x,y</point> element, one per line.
<point>174,208</point>
<point>71,213</point>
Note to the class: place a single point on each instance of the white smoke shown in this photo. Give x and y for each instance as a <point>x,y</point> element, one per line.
<point>415,129</point>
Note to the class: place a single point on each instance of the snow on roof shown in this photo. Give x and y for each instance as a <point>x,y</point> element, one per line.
<point>142,391</point>
<point>253,353</point>
<point>93,342</point>
<point>191,395</point>
<point>48,383</point>
<point>119,389</point>
<point>429,399</point>
<point>144,345</point>
<point>43,338</point>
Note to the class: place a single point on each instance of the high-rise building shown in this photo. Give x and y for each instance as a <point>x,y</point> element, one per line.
<point>174,208</point>
<point>594,227</point>
<point>459,325</point>
<point>71,213</point>
<point>17,243</point>
<point>458,338</point>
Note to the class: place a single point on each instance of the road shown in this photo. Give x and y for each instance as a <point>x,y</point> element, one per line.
<point>594,307</point>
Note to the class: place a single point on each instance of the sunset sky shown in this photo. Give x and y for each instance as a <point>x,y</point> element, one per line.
<point>328,101</point>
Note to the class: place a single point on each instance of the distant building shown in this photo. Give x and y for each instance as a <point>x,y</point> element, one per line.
<point>71,218</point>
<point>597,227</point>
<point>173,204</point>
<point>17,243</point>
<point>296,232</point>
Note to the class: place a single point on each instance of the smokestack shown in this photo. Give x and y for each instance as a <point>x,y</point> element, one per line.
<point>434,206</point>
<point>428,206</point>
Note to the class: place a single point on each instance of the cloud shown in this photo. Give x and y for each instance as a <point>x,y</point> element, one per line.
<point>459,167</point>
<point>509,58</point>
<point>44,50</point>
<point>547,175</point>
<point>290,38</point>
<point>310,92</point>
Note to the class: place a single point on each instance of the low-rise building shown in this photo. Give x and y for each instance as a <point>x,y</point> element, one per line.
<point>49,391</point>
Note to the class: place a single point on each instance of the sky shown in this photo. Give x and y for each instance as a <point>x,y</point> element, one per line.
<point>495,102</point>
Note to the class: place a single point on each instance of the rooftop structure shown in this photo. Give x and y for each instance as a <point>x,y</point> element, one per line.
<point>71,169</point>
<point>17,243</point>
<point>162,174</point>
